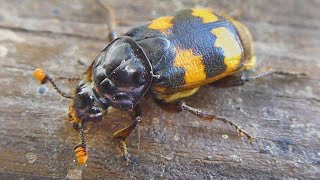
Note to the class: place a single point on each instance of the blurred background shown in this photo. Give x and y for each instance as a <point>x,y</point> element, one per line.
<point>283,112</point>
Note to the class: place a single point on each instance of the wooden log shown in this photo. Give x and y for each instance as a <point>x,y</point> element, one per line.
<point>281,111</point>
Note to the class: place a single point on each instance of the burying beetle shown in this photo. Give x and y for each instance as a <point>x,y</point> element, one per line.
<point>171,58</point>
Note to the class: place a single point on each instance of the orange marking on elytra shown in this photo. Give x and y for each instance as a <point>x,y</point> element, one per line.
<point>205,14</point>
<point>232,51</point>
<point>162,24</point>
<point>192,65</point>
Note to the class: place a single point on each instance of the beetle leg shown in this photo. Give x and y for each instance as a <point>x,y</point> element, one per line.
<point>241,79</point>
<point>169,106</point>
<point>261,75</point>
<point>212,117</point>
<point>121,135</point>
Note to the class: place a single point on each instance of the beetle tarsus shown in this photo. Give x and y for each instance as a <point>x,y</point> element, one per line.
<point>124,150</point>
<point>121,135</point>
<point>246,76</point>
<point>212,117</point>
<point>269,72</point>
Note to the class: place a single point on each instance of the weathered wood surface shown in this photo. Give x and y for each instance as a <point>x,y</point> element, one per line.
<point>282,112</point>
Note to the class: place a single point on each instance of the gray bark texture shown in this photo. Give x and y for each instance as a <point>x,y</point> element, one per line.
<point>282,112</point>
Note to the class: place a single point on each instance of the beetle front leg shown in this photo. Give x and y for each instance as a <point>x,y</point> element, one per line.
<point>211,117</point>
<point>121,135</point>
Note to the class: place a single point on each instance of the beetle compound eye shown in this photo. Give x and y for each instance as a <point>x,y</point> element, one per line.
<point>81,101</point>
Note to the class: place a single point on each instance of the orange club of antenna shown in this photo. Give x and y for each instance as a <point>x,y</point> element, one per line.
<point>40,75</point>
<point>81,154</point>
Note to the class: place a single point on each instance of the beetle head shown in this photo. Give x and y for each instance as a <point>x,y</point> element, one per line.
<point>122,74</point>
<point>84,106</point>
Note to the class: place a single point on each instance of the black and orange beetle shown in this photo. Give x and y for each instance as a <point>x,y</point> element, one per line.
<point>170,58</point>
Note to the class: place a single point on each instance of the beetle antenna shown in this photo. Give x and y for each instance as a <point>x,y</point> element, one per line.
<point>81,149</point>
<point>44,77</point>
<point>110,19</point>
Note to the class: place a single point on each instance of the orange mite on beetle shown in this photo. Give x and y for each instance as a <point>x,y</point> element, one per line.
<point>170,58</point>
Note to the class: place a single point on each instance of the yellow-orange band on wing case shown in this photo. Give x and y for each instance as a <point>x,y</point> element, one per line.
<point>231,48</point>
<point>192,65</point>
<point>205,14</point>
<point>39,74</point>
<point>162,24</point>
<point>177,95</point>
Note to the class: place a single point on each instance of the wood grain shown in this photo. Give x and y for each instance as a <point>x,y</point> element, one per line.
<point>281,111</point>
